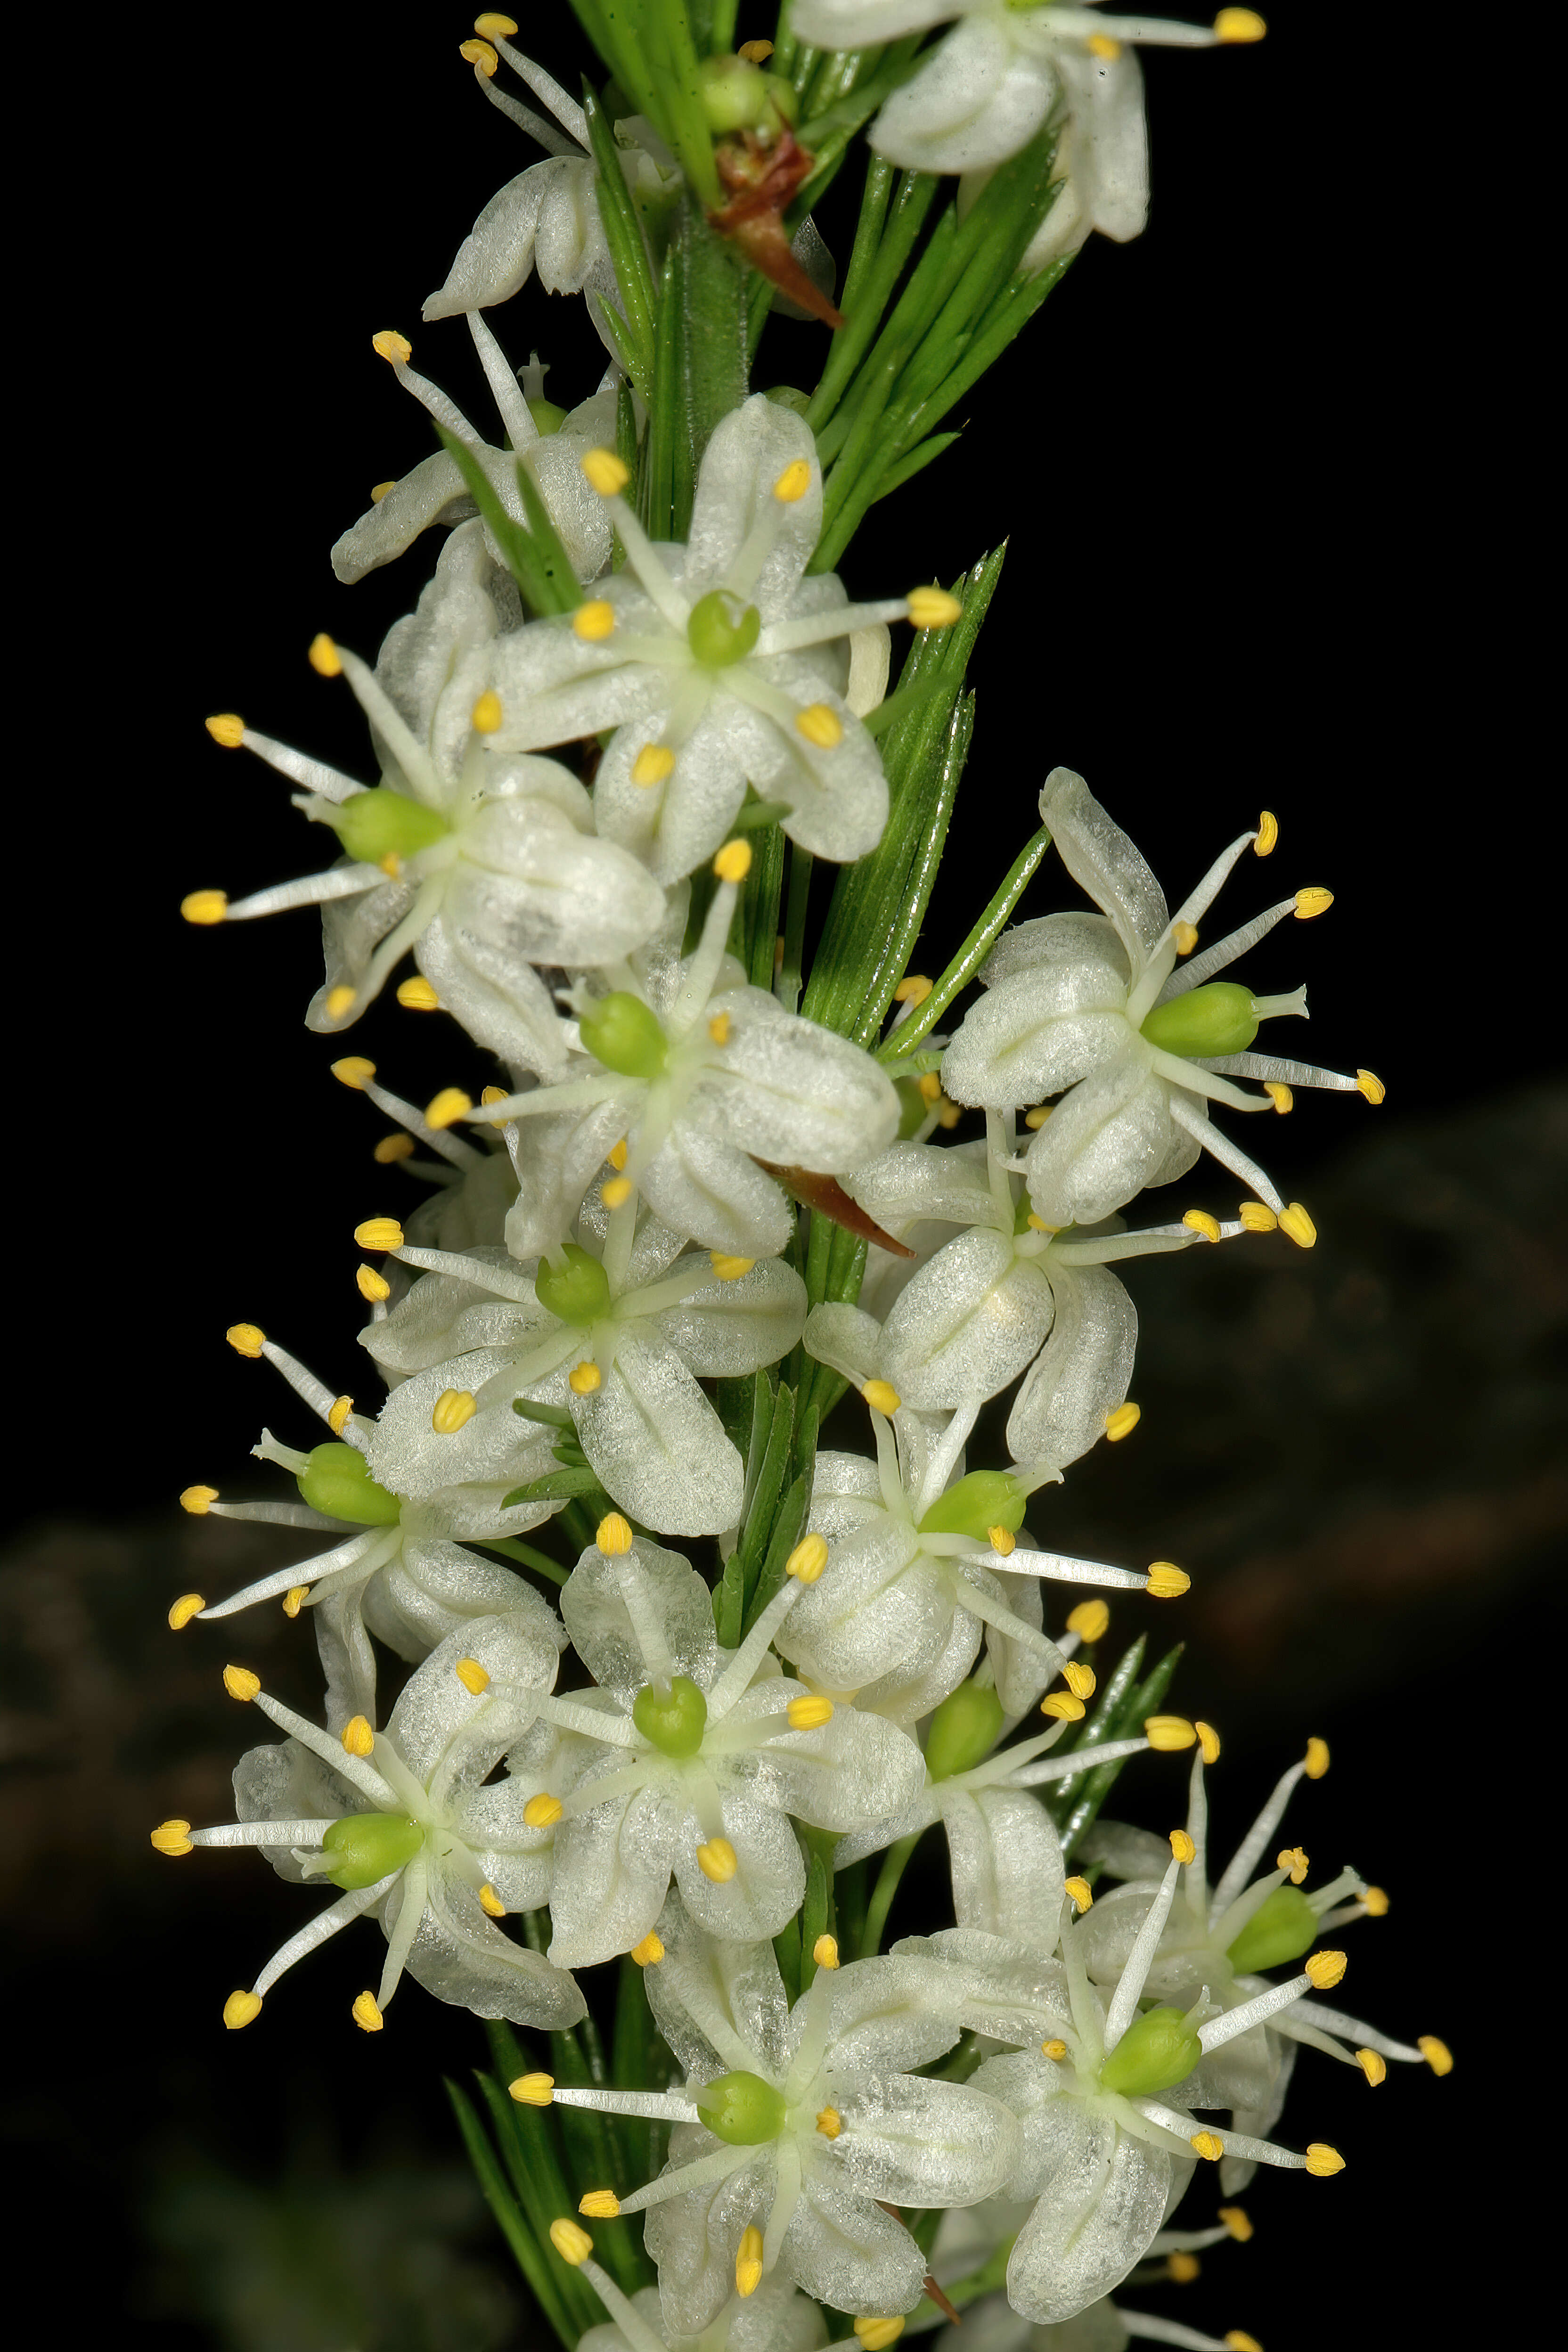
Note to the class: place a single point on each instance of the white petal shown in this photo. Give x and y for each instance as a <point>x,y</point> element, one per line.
<point>1104,862</point>
<point>1100,1145</point>
<point>1082,1374</point>
<point>693,2239</point>
<point>844,2250</point>
<point>913,2142</point>
<point>881,1605</point>
<point>664,1589</point>
<point>1027,1038</point>
<point>1108,142</point>
<point>543,890</point>
<point>503,1004</point>
<point>976,101</point>
<point>769,1885</point>
<point>793,1092</point>
<point>462,1956</point>
<point>729,1328</point>
<point>675,825</point>
<point>749,451</point>
<point>718,2005</point>
<point>911,1182</point>
<point>850,1341</point>
<point>967,1323</point>
<point>1008,1868</point>
<point>715,1192</point>
<point>657,1445</point>
<point>848,1772</point>
<point>497,254</point>
<point>1101,2202</point>
<point>856,24</point>
<point>438,1721</point>
<point>612,1874</point>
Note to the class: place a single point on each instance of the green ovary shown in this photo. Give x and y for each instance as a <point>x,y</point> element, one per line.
<point>742,2109</point>
<point>672,1720</point>
<point>384,823</point>
<point>621,1031</point>
<point>715,634</point>
<point>1156,2051</point>
<point>368,1846</point>
<point>1283,1928</point>
<point>546,414</point>
<point>336,1479</point>
<point>983,1500</point>
<point>963,1730</point>
<point>577,1292</point>
<point>1221,1018</point>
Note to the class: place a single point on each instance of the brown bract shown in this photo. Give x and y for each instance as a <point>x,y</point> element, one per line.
<point>759,181</point>
<point>826,1195</point>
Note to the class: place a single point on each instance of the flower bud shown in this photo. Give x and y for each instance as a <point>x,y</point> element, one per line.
<point>336,1479</point>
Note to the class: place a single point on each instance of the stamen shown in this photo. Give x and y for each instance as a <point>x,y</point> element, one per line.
<point>372,1285</point>
<point>795,481</point>
<point>1237,2222</point>
<point>204,906</point>
<point>188,1605</point>
<point>455,1408</point>
<point>358,1738</point>
<point>1437,2054</point>
<point>1088,1621</point>
<point>532,2090</point>
<point>613,1536</point>
<point>599,2205</point>
<point>1208,1741</point>
<point>573,2244</point>
<point>472,1676</point>
<point>1166,1581</point>
<point>1280,1095</point>
<point>416,995</point>
<point>449,1105</point>
<point>649,1952</point>
<point>830,2122</point>
<point>1323,2161</point>
<point>716,1859</point>
<point>733,862</point>
<point>542,1811</point>
<point>605,473</point>
<point>379,1234</point>
<point>749,2260</point>
<point>616,1191</point>
<point>321,654</point>
<point>1056,2049</point>
<point>1370,1086</point>
<point>241,2008</point>
<point>1122,1422</point>
<point>1374,2068</point>
<point>1257,1217</point>
<point>653,763</point>
<point>825,1951</point>
<point>728,1268</point>
<point>934,608</point>
<point>584,1379</point>
<point>1003,1543</point>
<point>490,1902</point>
<point>1063,1707</point>
<point>171,1838</point>
<point>1182,2269</point>
<point>1316,1761</point>
<point>1295,1221</point>
<point>594,621</point>
<point>1208,2145</point>
<point>876,2335</point>
<point>240,1683</point>
<point>1313,901</point>
<point>1080,1892</point>
<point>821,725</point>
<point>1295,1861</point>
<point>365,2013</point>
<point>881,1396</point>
<point>1183,938</point>
<point>246,1339</point>
<point>486,716</point>
<point>1200,1222</point>
<point>1182,1846</point>
<point>809,1714</point>
<point>1168,1734</point>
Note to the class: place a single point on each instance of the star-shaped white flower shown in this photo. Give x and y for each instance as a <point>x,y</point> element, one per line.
<point>1100,1010</point>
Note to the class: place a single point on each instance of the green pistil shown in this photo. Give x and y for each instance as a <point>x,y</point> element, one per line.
<point>336,1479</point>
<point>1281,1929</point>
<point>963,1730</point>
<point>1220,1018</point>
<point>741,2108</point>
<point>673,1719</point>
<point>717,634</point>
<point>983,1500</point>
<point>383,824</point>
<point>368,1846</point>
<point>621,1032</point>
<point>578,1293</point>
<point>1156,2051</point>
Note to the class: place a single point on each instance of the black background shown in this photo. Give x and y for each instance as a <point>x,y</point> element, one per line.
<point>1252,564</point>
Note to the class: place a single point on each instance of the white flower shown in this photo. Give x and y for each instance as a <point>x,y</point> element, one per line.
<point>483,864</point>
<point>551,442</point>
<point>982,93</point>
<point>701,1076</point>
<point>1007,1296</point>
<point>798,2126</point>
<point>1095,1009</point>
<point>695,1759</point>
<point>969,2257</point>
<point>408,1823</point>
<point>717,664</point>
<point>616,1338</point>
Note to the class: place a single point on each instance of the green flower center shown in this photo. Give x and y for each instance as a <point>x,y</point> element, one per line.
<point>1151,2055</point>
<point>742,2109</point>
<point>368,1846</point>
<point>578,1292</point>
<point>384,823</point>
<point>1281,1929</point>
<point>621,1031</point>
<point>963,1730</point>
<point>983,1500</point>
<point>1220,1018</point>
<point>336,1479</point>
<point>673,1719</point>
<point>719,635</point>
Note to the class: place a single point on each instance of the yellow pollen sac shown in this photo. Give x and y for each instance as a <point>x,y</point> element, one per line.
<point>1314,900</point>
<point>198,1500</point>
<point>605,473</point>
<point>1323,2161</point>
<point>819,725</point>
<point>616,1154</point>
<point>934,608</point>
<point>614,1536</point>
<point>719,1028</point>
<point>1062,1707</point>
<point>240,2009</point>
<point>809,1714</point>
<point>188,1605</point>
<point>652,764</point>
<point>830,2122</point>
<point>204,906</point>
<point>228,728</point>
<point>733,862</point>
<point>1080,1892</point>
<point>912,990</point>
<point>489,1095</point>
<point>1198,1221</point>
<point>716,1860</point>
<point>294,1600</point>
<point>480,55</point>
<point>1437,2054</point>
<point>599,2205</point>
<point>390,345</point>
<point>1035,1120</point>
<point>1298,1226</point>
<point>1078,1679</point>
<point>1182,2268</point>
<point>1239,25</point>
<point>1208,2145</point>
<point>649,1952</point>
<point>246,1339</point>
<point>172,1837</point>
<point>1234,2219</point>
<point>1374,1903</point>
<point>1208,1740</point>
<point>1167,1582</point>
<point>372,1285</point>
<point>1168,1734</point>
<point>1325,1969</point>
<point>571,2243</point>
<point>379,490</point>
<point>1293,1859</point>
<point>1088,1621</point>
<point>1280,1095</point>
<point>455,1408</point>
<point>1258,1216</point>
<point>1267,832</point>
<point>541,1812</point>
<point>728,1268</point>
<point>492,21</point>
<point>1182,1846</point>
<point>876,2335</point>
<point>585,1378</point>
<point>353,1070</point>
<point>338,1415</point>
<point>1183,938</point>
<point>1002,1540</point>
<point>474,1677</point>
<point>881,1396</point>
<point>485,718</point>
<point>1370,1086</point>
<point>490,1902</point>
<point>1122,1422</point>
<point>340,1000</point>
<point>1374,2068</point>
<point>594,621</point>
<point>948,1114</point>
<point>757,53</point>
<point>1056,2050</point>
<point>358,1738</point>
<point>1238,2340</point>
<point>616,1191</point>
<point>532,2090</point>
<point>323,654</point>
<point>240,1683</point>
<point>795,481</point>
<point>749,2262</point>
<point>416,995</point>
<point>366,2015</point>
<point>1316,1762</point>
<point>825,1951</point>
<point>929,1087</point>
<point>807,1561</point>
<point>379,1234</point>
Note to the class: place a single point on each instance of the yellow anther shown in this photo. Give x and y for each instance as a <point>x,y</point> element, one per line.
<point>1258,1216</point>
<point>1062,1707</point>
<point>240,2009</point>
<point>338,1415</point>
<point>1078,1679</point>
<point>198,1501</point>
<point>1208,1740</point>
<point>246,1339</point>
<point>340,1000</point>
<point>172,1837</point>
<point>1080,1892</point>
<point>881,1396</point>
<point>489,1095</point>
<point>323,656</point>
<point>1238,2340</point>
<point>948,1114</point>
<point>1236,2222</point>
<point>1293,1858</point>
<point>599,2205</point>
<point>1316,1762</point>
<point>391,1148</point>
<point>1002,1540</point>
<point>189,1604</point>
<point>541,1812</point>
<point>594,621</point>
<point>571,2243</point>
<point>294,1600</point>
<point>490,1902</point>
<point>1370,1086</point>
<point>1280,1095</point>
<point>1298,1226</point>
<point>825,1951</point>
<point>1323,2161</point>
<point>820,725</point>
<point>1088,1621</point>
<point>358,1738</point>
<point>756,53</point>
<point>652,764</point>
<point>1182,2268</point>
<point>1325,1969</point>
<point>391,346</point>
<point>1239,25</point>
<point>1122,1422</point>
<point>616,1154</point>
<point>1267,832</point>
<point>830,2122</point>
<point>455,1408</point>
<point>1035,1120</point>
<point>228,728</point>
<point>1198,1221</point>
<point>1374,2068</point>
<point>240,1683</point>
<point>605,472</point>
<point>1437,2054</point>
<point>379,1234</point>
<point>416,995</point>
<point>719,1028</point>
<point>616,1191</point>
<point>493,22</point>
<point>1208,2145</point>
<point>365,2013</point>
<point>532,2090</point>
<point>929,1087</point>
<point>1182,1847</point>
<point>1314,900</point>
<point>1183,938</point>
<point>613,1536</point>
<point>485,717</point>
<point>480,55</point>
<point>809,1714</point>
<point>728,1268</point>
<point>795,481</point>
<point>934,608</point>
<point>716,1860</point>
<point>353,1070</point>
<point>876,2335</point>
<point>1374,1903</point>
<point>649,1952</point>
<point>1167,1582</point>
<point>1056,2049</point>
<point>749,2262</point>
<point>372,1284</point>
<point>912,990</point>
<point>1168,1734</point>
<point>585,1378</point>
<point>204,906</point>
<point>807,1561</point>
<point>474,1677</point>
<point>378,490</point>
<point>733,862</point>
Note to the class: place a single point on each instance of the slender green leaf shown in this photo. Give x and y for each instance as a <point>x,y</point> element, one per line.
<point>555,1486</point>
<point>513,1548</point>
<point>629,255</point>
<point>920,1024</point>
<point>526,2250</point>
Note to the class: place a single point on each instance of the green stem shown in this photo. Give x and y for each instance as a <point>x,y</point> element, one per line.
<point>713,327</point>
<point>511,1547</point>
<point>894,1863</point>
<point>969,955</point>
